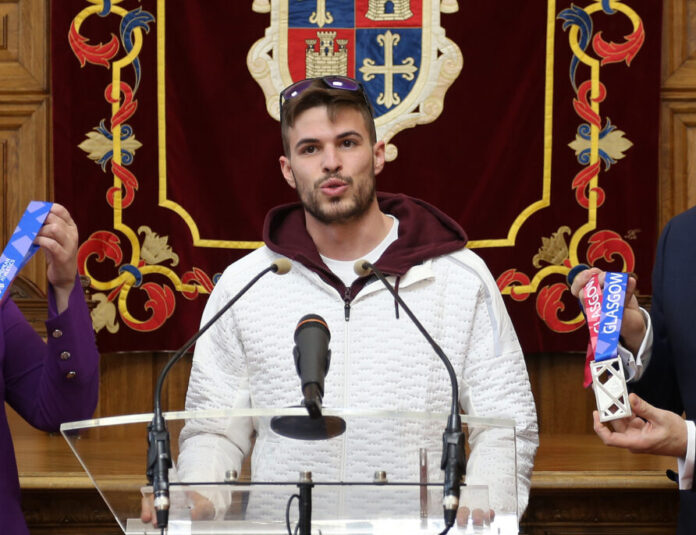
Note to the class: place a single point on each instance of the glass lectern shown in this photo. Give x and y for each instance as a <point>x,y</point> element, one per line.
<point>404,497</point>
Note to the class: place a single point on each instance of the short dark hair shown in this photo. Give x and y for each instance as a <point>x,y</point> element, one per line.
<point>319,95</point>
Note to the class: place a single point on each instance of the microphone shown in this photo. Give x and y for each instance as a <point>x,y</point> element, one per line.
<point>453,454</point>
<point>312,358</point>
<point>159,458</point>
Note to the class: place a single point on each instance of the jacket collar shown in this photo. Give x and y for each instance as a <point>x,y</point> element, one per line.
<point>424,233</point>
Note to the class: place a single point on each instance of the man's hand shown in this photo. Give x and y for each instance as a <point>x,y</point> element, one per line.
<point>201,508</point>
<point>58,238</point>
<point>633,324</point>
<point>147,510</point>
<point>649,430</point>
<point>479,517</point>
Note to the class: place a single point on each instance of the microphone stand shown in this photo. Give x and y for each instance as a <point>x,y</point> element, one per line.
<point>159,458</point>
<point>453,460</point>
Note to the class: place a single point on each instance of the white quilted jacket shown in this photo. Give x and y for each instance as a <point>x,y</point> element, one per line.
<point>378,361</point>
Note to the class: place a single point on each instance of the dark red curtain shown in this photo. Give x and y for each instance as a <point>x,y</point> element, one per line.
<point>510,156</point>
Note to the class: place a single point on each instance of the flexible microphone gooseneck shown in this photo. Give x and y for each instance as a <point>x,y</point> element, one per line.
<point>159,459</point>
<point>453,455</point>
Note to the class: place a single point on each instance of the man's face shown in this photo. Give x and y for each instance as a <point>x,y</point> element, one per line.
<point>332,165</point>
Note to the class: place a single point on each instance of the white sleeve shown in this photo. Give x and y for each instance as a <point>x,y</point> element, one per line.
<point>495,384</point>
<point>686,464</point>
<point>209,447</point>
<point>634,366</point>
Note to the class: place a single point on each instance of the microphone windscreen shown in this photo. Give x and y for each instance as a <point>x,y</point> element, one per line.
<point>312,320</point>
<point>362,268</point>
<point>574,272</point>
<point>281,265</point>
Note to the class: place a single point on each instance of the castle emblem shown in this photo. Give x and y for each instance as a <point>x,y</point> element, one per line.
<point>327,59</point>
<point>381,43</point>
<point>389,10</point>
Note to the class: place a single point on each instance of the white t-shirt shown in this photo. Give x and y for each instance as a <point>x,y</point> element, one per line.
<point>343,269</point>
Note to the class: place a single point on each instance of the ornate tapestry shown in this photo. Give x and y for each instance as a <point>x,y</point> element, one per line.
<point>534,124</point>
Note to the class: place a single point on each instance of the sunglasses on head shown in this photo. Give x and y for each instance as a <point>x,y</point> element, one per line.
<point>332,82</point>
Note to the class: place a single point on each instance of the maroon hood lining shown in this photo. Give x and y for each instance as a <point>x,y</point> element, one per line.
<point>424,233</point>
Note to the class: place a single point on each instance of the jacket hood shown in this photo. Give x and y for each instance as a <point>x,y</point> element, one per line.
<point>424,233</point>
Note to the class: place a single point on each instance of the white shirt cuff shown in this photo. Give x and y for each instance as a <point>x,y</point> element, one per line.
<point>686,465</point>
<point>635,365</point>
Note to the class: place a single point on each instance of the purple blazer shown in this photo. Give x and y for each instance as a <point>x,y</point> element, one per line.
<point>47,383</point>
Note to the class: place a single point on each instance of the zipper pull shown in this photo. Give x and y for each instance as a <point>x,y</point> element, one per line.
<point>346,301</point>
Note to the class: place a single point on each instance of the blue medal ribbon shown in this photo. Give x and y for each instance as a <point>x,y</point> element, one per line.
<point>21,246</point>
<point>612,314</point>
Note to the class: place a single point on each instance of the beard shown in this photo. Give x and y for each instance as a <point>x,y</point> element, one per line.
<point>338,209</point>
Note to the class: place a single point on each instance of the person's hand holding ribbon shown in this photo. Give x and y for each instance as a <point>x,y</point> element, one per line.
<point>633,324</point>
<point>59,239</point>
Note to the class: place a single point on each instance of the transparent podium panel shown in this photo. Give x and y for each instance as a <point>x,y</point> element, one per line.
<point>352,471</point>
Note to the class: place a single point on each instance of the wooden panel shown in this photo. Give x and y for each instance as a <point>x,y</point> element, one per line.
<point>9,34</point>
<point>675,36</point>
<point>678,181</point>
<point>128,383</point>
<point>57,511</point>
<point>602,511</point>
<point>575,454</point>
<point>563,405</point>
<point>24,124</point>
<point>677,184</point>
<point>24,46</point>
<point>174,392</point>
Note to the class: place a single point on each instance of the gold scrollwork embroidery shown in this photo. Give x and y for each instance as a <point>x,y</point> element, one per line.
<point>155,248</point>
<point>554,250</point>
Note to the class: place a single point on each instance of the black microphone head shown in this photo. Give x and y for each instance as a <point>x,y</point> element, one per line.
<point>312,320</point>
<point>312,358</point>
<point>362,268</point>
<point>574,271</point>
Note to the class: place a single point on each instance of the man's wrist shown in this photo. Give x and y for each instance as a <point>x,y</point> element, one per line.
<point>633,341</point>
